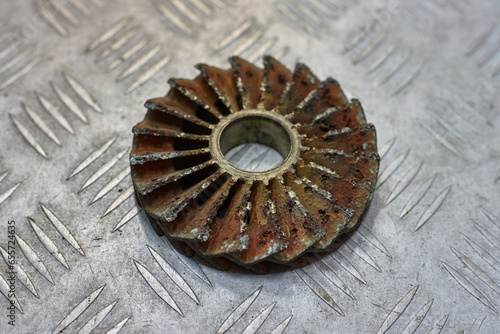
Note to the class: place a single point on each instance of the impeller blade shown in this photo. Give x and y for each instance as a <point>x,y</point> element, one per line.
<point>192,223</point>
<point>198,90</point>
<point>303,83</point>
<point>328,95</point>
<point>276,77</point>
<point>264,237</point>
<point>223,83</point>
<point>335,119</point>
<point>248,80</point>
<point>348,140</point>
<point>227,233</point>
<point>358,167</point>
<point>321,207</point>
<point>300,229</point>
<point>349,194</point>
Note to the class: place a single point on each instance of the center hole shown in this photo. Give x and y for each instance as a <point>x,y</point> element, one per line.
<point>254,157</point>
<point>255,143</point>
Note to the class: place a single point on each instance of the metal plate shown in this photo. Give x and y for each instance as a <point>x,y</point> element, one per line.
<point>427,74</point>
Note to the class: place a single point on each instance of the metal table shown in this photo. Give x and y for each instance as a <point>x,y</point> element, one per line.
<point>73,77</point>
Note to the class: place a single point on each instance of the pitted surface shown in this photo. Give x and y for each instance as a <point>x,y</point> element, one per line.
<point>73,78</point>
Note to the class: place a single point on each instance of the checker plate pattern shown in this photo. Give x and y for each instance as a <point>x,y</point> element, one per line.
<point>73,77</point>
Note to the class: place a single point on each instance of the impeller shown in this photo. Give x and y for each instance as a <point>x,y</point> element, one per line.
<point>195,196</point>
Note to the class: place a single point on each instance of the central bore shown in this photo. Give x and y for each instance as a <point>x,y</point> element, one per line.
<point>271,143</point>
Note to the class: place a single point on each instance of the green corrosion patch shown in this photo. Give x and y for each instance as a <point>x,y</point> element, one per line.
<point>311,78</point>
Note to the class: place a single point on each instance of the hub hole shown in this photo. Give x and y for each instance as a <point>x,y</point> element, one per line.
<point>254,157</point>
<point>255,143</point>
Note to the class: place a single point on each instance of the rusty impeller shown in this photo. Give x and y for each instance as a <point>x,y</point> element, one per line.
<point>202,202</point>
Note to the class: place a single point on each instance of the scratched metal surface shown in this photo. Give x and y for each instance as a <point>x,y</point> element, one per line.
<point>73,77</point>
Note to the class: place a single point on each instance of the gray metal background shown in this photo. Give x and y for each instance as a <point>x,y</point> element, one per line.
<point>425,72</point>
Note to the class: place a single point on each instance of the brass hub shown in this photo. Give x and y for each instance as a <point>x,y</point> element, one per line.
<point>256,126</point>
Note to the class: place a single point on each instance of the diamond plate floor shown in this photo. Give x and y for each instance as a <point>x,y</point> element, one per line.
<point>74,75</point>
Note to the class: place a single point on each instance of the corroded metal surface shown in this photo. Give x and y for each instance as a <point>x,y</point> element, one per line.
<point>195,196</point>
<point>74,75</point>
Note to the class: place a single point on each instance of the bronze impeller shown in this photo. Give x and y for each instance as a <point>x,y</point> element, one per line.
<point>203,203</point>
